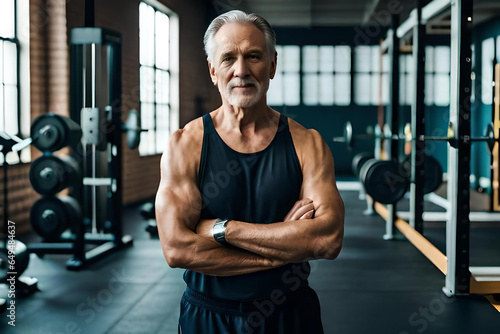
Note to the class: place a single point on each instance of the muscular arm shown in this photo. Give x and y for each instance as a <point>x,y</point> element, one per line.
<point>178,207</point>
<point>305,239</point>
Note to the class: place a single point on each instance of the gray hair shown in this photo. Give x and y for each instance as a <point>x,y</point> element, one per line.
<point>237,16</point>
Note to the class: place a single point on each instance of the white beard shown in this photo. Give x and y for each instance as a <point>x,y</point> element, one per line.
<point>245,100</point>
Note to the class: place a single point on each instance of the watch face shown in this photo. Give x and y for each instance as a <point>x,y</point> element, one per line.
<point>218,228</point>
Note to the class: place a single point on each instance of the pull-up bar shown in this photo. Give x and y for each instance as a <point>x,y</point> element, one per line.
<point>433,9</point>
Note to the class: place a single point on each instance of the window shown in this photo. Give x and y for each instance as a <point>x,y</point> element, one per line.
<point>321,75</point>
<point>159,94</point>
<point>14,68</point>
<point>284,89</point>
<point>368,76</point>
<point>406,79</point>
<point>326,75</point>
<point>437,75</point>
<point>311,75</point>
<point>487,57</point>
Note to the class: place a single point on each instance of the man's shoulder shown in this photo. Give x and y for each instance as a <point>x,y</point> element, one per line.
<point>300,132</point>
<point>188,139</point>
<point>184,147</point>
<point>191,131</point>
<point>309,144</point>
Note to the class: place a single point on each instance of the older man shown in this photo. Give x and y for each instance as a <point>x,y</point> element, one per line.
<point>247,197</point>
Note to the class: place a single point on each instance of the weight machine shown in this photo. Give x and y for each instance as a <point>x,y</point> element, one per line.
<point>93,213</point>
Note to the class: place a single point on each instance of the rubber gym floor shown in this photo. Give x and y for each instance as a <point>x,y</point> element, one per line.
<point>374,286</point>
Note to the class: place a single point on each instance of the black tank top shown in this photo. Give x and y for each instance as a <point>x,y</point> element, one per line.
<point>258,187</point>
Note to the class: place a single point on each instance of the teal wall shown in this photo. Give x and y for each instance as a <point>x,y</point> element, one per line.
<point>330,121</point>
<point>436,124</point>
<point>481,114</point>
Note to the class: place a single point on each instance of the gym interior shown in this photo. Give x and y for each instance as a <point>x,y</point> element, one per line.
<point>406,93</point>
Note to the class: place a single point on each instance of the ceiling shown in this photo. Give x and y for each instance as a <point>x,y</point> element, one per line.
<point>307,13</point>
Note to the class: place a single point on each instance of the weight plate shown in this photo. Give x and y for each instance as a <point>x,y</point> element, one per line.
<point>359,160</point>
<point>50,174</point>
<point>349,139</point>
<point>51,132</point>
<point>133,130</point>
<point>433,173</point>
<point>383,181</point>
<point>51,216</point>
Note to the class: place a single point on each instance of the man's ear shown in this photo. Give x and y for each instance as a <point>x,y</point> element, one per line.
<point>213,76</point>
<point>274,64</point>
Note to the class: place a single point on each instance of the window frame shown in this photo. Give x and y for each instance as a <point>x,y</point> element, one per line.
<point>280,73</point>
<point>150,143</point>
<point>23,100</point>
<point>14,40</point>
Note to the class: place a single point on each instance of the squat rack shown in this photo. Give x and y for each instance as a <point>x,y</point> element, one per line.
<point>460,278</point>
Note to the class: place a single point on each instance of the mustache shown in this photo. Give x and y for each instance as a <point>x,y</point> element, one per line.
<point>242,82</point>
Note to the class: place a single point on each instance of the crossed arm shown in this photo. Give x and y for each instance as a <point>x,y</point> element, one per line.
<point>312,229</point>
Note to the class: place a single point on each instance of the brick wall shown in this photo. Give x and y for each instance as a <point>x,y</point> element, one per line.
<point>48,90</point>
<point>50,24</point>
<point>21,196</point>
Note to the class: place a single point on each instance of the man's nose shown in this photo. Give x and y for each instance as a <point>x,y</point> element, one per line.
<point>240,68</point>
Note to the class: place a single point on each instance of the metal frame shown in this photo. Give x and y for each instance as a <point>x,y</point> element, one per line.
<point>495,156</point>
<point>113,239</point>
<point>430,11</point>
<point>460,278</point>
<point>458,224</point>
<point>393,110</point>
<point>418,125</point>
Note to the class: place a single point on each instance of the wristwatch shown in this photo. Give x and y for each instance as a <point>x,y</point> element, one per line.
<point>219,231</point>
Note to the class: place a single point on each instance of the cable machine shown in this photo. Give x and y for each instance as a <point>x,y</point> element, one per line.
<point>95,90</point>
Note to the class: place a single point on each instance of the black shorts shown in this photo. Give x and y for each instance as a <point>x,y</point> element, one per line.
<point>293,313</point>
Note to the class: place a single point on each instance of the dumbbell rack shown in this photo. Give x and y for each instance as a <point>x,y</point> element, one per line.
<point>95,84</point>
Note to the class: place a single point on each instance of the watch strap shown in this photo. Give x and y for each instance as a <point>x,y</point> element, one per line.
<point>219,230</point>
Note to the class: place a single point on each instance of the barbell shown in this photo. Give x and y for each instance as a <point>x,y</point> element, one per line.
<point>350,138</point>
<point>387,181</point>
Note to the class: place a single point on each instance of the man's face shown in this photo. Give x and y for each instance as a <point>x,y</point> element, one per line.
<point>242,66</point>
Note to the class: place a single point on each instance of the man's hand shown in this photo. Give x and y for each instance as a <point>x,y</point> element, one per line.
<point>302,209</point>
<point>204,228</point>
